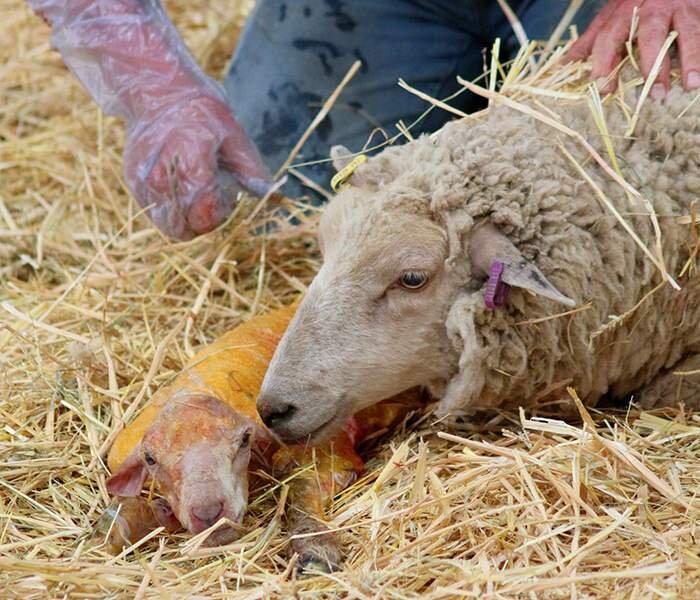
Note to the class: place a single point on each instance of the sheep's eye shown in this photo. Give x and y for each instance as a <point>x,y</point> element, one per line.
<point>150,461</point>
<point>413,280</point>
<point>245,439</point>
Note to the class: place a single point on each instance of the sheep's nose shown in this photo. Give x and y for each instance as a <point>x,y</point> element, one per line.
<point>207,514</point>
<point>275,413</point>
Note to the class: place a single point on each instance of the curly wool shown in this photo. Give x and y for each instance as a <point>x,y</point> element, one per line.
<point>511,170</point>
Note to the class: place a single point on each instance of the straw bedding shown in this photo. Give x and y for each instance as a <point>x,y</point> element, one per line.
<point>97,310</point>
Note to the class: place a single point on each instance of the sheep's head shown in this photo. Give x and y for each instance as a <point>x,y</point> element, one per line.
<point>197,453</point>
<point>373,321</point>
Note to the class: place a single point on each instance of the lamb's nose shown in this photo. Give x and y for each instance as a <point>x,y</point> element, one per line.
<point>208,514</point>
<point>274,413</point>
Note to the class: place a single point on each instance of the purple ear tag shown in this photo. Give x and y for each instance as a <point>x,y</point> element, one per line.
<point>496,292</point>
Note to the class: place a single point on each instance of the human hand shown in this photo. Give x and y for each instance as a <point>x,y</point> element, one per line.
<point>604,41</point>
<point>188,164</point>
<point>186,156</point>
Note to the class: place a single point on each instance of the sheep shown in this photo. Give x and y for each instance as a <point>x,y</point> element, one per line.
<point>199,437</point>
<point>400,298</point>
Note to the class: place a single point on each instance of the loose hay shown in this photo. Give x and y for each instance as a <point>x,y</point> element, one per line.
<point>97,310</point>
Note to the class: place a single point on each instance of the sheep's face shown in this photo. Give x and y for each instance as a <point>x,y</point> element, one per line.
<point>371,324</point>
<point>197,452</point>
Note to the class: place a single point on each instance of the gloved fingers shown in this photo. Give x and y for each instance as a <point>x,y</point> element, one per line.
<point>242,158</point>
<point>185,199</point>
<point>186,162</point>
<point>184,214</point>
<point>209,210</point>
<point>203,125</point>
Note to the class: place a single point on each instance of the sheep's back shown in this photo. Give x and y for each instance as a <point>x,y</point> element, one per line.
<point>514,171</point>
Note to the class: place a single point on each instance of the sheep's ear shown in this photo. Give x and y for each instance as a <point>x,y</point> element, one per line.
<point>487,245</point>
<point>343,160</point>
<point>341,157</point>
<point>130,476</point>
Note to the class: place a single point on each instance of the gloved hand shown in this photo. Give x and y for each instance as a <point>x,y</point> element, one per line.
<point>186,156</point>
<point>189,163</point>
<point>604,40</point>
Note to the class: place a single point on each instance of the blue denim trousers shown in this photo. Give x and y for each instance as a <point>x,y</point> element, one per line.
<point>293,53</point>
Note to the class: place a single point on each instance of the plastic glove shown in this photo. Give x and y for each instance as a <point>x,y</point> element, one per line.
<point>604,40</point>
<point>186,157</point>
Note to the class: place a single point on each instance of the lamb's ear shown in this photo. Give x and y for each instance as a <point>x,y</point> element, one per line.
<point>341,157</point>
<point>487,245</point>
<point>129,478</point>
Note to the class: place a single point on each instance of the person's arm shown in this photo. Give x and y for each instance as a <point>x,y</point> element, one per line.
<point>185,151</point>
<point>604,40</point>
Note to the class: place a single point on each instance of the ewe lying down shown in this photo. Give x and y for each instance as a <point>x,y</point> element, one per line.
<point>428,233</point>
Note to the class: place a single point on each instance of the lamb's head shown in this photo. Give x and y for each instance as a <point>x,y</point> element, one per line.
<point>197,453</point>
<point>372,323</point>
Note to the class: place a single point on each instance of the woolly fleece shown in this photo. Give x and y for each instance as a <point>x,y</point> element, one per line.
<point>510,169</point>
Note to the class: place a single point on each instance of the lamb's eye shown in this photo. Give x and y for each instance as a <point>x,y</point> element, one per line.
<point>150,461</point>
<point>245,439</point>
<point>413,280</point>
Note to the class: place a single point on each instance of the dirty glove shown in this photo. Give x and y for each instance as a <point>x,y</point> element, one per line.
<point>186,156</point>
<point>604,40</point>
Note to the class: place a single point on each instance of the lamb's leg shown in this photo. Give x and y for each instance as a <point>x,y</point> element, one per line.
<point>126,520</point>
<point>680,384</point>
<point>321,472</point>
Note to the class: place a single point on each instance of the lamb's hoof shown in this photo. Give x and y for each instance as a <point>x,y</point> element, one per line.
<point>312,564</point>
<point>317,554</point>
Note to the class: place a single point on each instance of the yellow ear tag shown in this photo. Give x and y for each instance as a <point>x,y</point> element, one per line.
<point>340,178</point>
